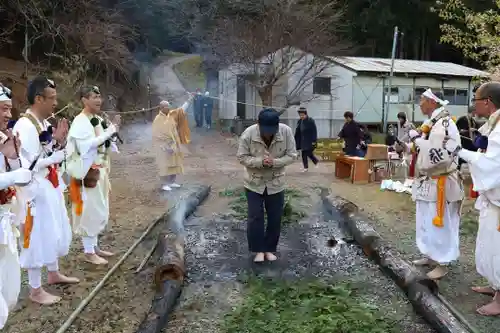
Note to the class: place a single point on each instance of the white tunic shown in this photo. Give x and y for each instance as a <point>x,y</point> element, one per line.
<point>51,233</point>
<point>10,271</point>
<point>440,244</point>
<point>484,169</point>
<point>82,138</point>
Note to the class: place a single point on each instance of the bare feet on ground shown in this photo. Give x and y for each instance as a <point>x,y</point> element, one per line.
<point>424,262</point>
<point>491,309</point>
<point>95,259</point>
<point>270,256</point>
<point>58,278</point>
<point>437,273</point>
<point>103,253</point>
<point>484,290</point>
<point>259,257</point>
<point>40,296</point>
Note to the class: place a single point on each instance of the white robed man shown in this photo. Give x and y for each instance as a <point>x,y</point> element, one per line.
<point>46,231</point>
<point>89,145</point>
<point>437,189</point>
<point>170,131</point>
<point>484,170</point>
<point>10,270</point>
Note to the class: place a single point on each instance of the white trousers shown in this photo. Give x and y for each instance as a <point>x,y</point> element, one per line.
<point>89,244</point>
<point>487,241</point>
<point>35,275</point>
<point>439,244</point>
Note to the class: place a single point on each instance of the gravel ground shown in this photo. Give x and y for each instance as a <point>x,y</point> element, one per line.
<point>394,217</point>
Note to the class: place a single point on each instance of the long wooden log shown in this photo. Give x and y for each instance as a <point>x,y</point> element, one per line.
<point>168,277</point>
<point>421,290</point>
<point>171,260</point>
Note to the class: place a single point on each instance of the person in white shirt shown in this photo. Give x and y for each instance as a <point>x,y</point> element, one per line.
<point>484,169</point>
<point>46,231</point>
<point>89,146</point>
<point>10,270</point>
<point>437,189</point>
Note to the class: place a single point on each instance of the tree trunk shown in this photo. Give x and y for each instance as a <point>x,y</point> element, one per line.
<point>171,263</point>
<point>266,95</point>
<point>170,270</point>
<point>168,280</point>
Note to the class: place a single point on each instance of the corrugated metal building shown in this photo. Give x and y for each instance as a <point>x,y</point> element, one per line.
<point>359,85</point>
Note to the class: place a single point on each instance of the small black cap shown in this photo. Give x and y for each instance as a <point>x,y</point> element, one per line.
<point>269,120</point>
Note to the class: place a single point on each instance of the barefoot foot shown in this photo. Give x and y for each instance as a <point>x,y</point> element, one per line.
<point>491,309</point>
<point>103,253</point>
<point>95,259</point>
<point>270,256</point>
<point>423,262</point>
<point>58,278</point>
<point>259,257</point>
<point>484,290</point>
<point>437,273</point>
<point>42,297</point>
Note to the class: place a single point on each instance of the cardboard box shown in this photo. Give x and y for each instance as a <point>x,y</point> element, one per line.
<point>376,152</point>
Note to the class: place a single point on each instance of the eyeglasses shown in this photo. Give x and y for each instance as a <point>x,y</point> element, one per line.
<point>480,99</point>
<point>5,91</point>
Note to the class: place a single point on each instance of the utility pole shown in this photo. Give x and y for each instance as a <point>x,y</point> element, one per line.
<point>389,85</point>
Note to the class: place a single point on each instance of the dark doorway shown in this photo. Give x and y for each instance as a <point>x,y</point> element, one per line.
<point>241,96</point>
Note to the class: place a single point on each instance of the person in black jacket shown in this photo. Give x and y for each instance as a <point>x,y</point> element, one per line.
<point>352,135</point>
<point>306,135</point>
<point>367,139</point>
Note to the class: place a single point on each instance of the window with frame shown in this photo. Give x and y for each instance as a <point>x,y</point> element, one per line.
<point>418,93</point>
<point>393,97</point>
<point>322,86</point>
<point>449,95</point>
<point>405,94</point>
<point>462,97</point>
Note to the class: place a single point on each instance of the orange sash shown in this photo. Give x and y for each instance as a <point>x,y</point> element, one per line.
<point>438,220</point>
<point>75,195</point>
<point>53,177</point>
<point>28,227</point>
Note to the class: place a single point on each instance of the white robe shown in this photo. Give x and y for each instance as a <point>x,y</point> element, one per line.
<point>484,170</point>
<point>439,244</point>
<point>10,270</point>
<point>95,214</point>
<point>51,234</point>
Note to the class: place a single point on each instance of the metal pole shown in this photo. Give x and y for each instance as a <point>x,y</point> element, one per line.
<point>389,85</point>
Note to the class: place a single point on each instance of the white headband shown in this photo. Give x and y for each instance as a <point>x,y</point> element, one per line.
<point>4,91</point>
<point>430,95</point>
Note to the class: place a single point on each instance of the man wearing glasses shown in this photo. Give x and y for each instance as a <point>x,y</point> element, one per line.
<point>10,271</point>
<point>484,166</point>
<point>46,232</point>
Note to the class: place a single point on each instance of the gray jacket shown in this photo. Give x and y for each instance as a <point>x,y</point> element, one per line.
<point>251,153</point>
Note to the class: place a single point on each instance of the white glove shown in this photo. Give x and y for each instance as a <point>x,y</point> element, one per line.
<point>22,176</point>
<point>58,156</point>
<point>413,134</point>
<point>451,146</point>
